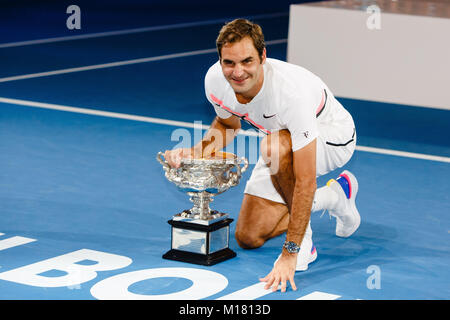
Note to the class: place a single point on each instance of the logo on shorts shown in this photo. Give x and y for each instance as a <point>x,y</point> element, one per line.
<point>306,134</point>
<point>267,117</point>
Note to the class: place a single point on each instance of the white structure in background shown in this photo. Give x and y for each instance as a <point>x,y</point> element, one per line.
<point>397,54</point>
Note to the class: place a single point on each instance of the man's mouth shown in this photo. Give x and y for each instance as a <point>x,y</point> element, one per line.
<point>239,80</point>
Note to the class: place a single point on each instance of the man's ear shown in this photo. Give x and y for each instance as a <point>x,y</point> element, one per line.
<point>263,56</point>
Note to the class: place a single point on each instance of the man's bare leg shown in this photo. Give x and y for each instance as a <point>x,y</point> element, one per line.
<point>261,219</point>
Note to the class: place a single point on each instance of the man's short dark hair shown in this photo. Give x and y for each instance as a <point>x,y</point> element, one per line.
<point>238,29</point>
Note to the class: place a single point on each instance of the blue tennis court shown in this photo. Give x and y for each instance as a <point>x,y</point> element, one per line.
<point>81,122</point>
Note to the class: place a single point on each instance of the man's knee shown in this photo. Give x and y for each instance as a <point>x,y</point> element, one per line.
<point>248,240</point>
<point>258,218</point>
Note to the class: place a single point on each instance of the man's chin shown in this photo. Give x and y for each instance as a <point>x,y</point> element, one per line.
<point>239,89</point>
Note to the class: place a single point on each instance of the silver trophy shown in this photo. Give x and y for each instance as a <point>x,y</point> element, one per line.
<point>201,235</point>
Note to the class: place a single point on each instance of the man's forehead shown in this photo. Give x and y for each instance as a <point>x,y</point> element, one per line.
<point>243,45</point>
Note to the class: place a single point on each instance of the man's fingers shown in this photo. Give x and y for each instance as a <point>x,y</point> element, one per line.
<point>167,157</point>
<point>269,279</point>
<point>283,285</point>
<point>265,279</point>
<point>173,157</point>
<point>276,282</point>
<point>187,153</point>
<point>269,283</point>
<point>291,280</point>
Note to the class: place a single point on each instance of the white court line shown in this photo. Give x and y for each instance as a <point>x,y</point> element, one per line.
<point>249,132</point>
<point>134,30</point>
<point>403,154</point>
<point>107,65</point>
<point>318,295</point>
<point>14,242</point>
<point>121,63</point>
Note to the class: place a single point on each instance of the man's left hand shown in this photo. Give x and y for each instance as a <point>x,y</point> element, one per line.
<point>282,272</point>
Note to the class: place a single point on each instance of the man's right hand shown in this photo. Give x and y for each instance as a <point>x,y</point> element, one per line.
<point>174,157</point>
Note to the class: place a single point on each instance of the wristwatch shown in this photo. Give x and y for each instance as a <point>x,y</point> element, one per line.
<point>291,247</point>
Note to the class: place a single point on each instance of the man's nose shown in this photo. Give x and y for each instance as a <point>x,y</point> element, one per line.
<point>238,71</point>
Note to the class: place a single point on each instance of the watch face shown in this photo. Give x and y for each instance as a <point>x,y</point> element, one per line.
<point>291,247</point>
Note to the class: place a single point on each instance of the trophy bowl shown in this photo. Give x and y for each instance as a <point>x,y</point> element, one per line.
<point>203,178</point>
<point>213,174</point>
<point>201,235</point>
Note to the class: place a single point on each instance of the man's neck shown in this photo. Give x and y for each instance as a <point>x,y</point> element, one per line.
<point>243,99</point>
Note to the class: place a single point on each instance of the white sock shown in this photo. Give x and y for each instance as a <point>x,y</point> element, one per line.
<point>325,198</point>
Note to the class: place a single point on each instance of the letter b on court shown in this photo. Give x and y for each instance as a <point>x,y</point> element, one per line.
<point>74,20</point>
<point>71,268</point>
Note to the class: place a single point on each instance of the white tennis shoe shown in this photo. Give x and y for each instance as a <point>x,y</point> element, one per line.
<point>306,255</point>
<point>345,211</point>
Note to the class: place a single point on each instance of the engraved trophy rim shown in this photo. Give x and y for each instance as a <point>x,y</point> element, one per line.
<point>219,157</point>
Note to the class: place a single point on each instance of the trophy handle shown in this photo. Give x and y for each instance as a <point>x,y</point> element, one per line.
<point>160,159</point>
<point>236,176</point>
<point>245,166</point>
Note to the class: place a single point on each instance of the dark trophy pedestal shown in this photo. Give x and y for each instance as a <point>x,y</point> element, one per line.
<point>199,242</point>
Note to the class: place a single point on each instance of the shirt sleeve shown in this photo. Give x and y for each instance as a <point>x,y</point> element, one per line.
<point>298,116</point>
<point>209,84</point>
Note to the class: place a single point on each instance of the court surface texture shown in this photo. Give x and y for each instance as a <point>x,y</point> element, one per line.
<point>81,122</point>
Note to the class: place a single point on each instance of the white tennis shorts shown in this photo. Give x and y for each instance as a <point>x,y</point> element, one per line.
<point>335,147</point>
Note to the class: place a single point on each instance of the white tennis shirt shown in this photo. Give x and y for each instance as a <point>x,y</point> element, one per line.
<point>291,98</point>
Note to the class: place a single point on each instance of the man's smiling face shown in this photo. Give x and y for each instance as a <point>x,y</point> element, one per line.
<point>243,67</point>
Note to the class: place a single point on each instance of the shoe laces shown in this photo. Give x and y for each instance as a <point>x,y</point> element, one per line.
<point>323,212</point>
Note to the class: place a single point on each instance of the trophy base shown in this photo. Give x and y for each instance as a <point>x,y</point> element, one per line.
<point>197,243</point>
<point>196,258</point>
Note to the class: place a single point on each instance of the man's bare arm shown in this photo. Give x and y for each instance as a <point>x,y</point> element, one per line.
<point>304,163</point>
<point>218,136</point>
<point>304,167</point>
